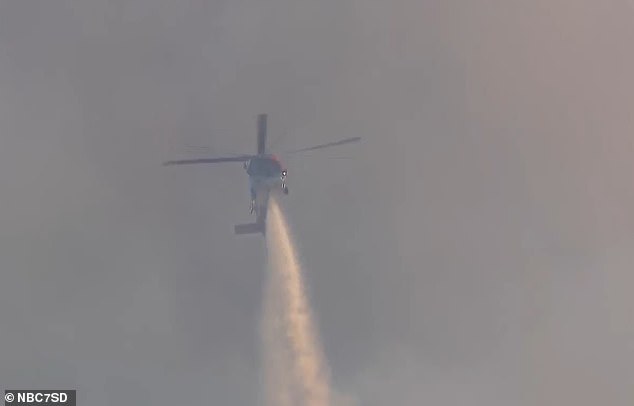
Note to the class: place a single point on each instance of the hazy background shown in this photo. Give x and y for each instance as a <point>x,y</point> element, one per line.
<point>477,249</point>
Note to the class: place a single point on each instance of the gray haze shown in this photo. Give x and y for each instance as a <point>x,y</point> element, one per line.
<point>477,249</point>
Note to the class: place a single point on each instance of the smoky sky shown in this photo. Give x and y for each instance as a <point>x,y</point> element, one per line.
<point>476,247</point>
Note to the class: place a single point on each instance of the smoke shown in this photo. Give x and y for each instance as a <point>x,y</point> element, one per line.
<point>295,368</point>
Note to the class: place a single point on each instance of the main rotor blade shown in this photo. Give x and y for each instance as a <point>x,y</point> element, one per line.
<point>205,150</point>
<point>262,119</point>
<point>242,158</point>
<point>330,144</point>
<point>321,157</point>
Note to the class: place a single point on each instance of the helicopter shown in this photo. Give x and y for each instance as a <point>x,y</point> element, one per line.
<point>265,171</point>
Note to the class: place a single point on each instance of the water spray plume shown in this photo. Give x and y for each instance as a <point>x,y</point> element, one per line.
<point>290,338</point>
<point>277,381</point>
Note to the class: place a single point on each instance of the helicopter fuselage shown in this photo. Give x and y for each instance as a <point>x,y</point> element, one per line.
<point>265,172</point>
